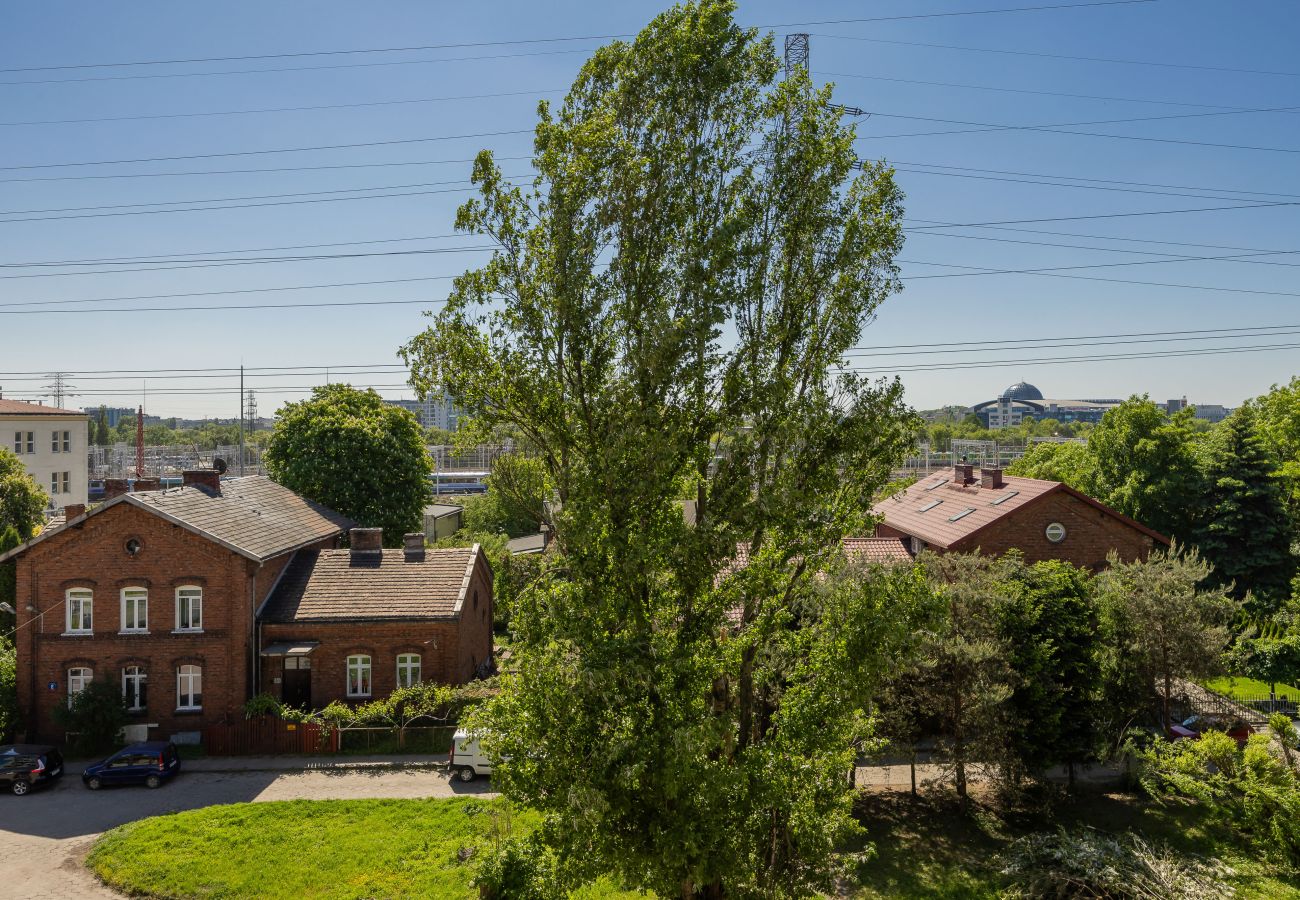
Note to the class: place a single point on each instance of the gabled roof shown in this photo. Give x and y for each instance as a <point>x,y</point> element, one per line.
<point>252,516</point>
<point>943,513</point>
<point>877,549</point>
<point>342,586</point>
<point>23,408</point>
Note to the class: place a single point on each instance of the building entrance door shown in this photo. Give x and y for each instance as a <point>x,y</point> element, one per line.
<point>295,689</point>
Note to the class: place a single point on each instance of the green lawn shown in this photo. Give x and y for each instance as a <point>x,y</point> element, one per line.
<point>1236,686</point>
<point>923,847</point>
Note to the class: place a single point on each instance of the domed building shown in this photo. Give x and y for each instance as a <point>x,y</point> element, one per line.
<point>1023,400</point>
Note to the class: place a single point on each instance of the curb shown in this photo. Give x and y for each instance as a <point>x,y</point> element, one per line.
<point>307,766</point>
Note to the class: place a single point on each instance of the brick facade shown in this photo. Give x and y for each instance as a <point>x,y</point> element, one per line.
<point>450,650</point>
<point>1090,534</point>
<point>92,554</point>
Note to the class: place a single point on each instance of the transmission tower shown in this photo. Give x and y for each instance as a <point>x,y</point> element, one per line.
<point>250,409</point>
<point>58,387</point>
<point>796,53</point>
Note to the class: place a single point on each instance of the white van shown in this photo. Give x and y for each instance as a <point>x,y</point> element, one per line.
<point>467,760</point>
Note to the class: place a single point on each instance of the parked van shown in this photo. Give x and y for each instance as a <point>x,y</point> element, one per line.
<point>467,760</point>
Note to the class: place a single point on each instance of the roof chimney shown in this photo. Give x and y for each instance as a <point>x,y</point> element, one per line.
<point>963,473</point>
<point>366,541</point>
<point>208,479</point>
<point>413,546</point>
<point>72,510</point>
<point>115,487</point>
<point>990,478</point>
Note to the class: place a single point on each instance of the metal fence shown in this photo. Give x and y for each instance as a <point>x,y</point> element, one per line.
<point>119,460</point>
<point>412,739</point>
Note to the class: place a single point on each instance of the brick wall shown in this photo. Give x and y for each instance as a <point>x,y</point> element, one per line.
<point>93,555</point>
<point>1090,533</point>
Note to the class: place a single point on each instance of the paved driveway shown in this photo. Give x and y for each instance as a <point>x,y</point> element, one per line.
<point>45,836</point>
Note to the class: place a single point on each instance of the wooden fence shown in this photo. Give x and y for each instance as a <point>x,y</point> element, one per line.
<point>268,736</point>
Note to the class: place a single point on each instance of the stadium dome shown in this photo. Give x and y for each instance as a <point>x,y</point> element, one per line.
<point>1022,390</point>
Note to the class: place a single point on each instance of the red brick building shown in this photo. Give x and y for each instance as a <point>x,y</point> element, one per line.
<point>959,512</point>
<point>159,592</point>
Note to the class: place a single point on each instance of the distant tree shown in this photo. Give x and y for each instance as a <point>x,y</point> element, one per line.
<point>9,539</point>
<point>1146,465</point>
<point>1066,461</point>
<point>22,501</point>
<point>349,450</point>
<point>1244,528</point>
<point>102,438</point>
<point>1162,623</point>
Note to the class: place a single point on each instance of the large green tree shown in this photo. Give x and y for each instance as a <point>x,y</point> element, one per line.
<point>1277,418</point>
<point>1067,461</point>
<point>1244,528</point>
<point>670,303</point>
<point>349,450</point>
<point>22,501</point>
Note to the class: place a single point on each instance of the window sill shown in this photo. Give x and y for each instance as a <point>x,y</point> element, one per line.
<point>359,696</point>
<point>77,634</point>
<point>187,631</point>
<point>189,711</point>
<point>135,631</point>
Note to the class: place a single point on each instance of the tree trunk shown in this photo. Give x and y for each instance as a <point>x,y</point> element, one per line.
<point>912,766</point>
<point>1168,689</point>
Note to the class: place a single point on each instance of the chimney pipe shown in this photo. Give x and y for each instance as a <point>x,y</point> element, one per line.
<point>207,479</point>
<point>413,546</point>
<point>366,540</point>
<point>963,473</point>
<point>990,478</point>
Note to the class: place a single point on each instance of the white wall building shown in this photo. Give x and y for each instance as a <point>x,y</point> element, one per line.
<point>434,411</point>
<point>51,443</point>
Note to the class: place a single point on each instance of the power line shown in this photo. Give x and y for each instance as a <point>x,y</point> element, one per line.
<point>140,309</point>
<point>1203,332</point>
<point>1123,215</point>
<point>275,169</point>
<point>1032,53</point>
<point>1081,343</point>
<point>1054,360</point>
<point>547,40</point>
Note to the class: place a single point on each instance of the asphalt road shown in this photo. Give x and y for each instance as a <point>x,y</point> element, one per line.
<point>45,836</point>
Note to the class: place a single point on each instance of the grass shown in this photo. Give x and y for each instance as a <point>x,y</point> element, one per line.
<point>1238,687</point>
<point>923,846</point>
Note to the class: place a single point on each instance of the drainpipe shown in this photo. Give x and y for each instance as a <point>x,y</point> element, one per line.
<point>34,624</point>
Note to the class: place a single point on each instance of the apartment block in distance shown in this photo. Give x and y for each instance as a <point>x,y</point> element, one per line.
<point>51,443</point>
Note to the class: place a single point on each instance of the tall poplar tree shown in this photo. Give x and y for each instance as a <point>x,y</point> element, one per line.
<point>668,311</point>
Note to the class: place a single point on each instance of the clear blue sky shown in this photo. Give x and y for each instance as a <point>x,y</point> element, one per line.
<point>1258,35</point>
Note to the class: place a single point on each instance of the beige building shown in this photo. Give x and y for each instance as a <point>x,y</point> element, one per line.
<point>51,443</point>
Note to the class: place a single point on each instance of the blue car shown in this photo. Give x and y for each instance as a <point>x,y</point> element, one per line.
<point>150,764</point>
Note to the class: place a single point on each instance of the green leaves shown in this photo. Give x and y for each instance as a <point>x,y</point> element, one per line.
<point>347,449</point>
<point>22,500</point>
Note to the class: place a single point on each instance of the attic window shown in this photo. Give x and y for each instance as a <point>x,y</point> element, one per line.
<point>965,512</point>
<point>931,505</point>
<point>1004,498</point>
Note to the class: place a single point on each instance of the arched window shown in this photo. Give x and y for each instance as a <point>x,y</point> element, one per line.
<point>189,608</point>
<point>189,687</point>
<point>78,678</point>
<point>359,676</point>
<point>408,669</point>
<point>135,609</point>
<point>80,606</point>
<point>134,687</point>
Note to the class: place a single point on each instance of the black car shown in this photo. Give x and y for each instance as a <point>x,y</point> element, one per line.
<point>25,766</point>
<point>150,764</point>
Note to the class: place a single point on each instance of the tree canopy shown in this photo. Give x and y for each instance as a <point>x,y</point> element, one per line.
<point>669,304</point>
<point>349,450</point>
<point>22,501</point>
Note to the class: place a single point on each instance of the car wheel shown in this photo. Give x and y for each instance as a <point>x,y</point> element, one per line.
<point>153,781</point>
<point>93,783</point>
<point>20,788</point>
<point>466,773</point>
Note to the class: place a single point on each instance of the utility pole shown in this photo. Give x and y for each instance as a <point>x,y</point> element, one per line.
<point>241,419</point>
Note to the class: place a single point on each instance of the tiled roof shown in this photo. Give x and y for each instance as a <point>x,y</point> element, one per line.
<point>928,508</point>
<point>875,549</point>
<point>23,408</point>
<point>252,515</point>
<point>333,586</point>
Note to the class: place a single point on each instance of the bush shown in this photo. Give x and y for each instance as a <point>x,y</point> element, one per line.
<point>96,716</point>
<point>9,717</point>
<point>1087,863</point>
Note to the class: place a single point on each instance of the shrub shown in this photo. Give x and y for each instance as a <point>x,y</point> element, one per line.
<point>9,717</point>
<point>96,715</point>
<point>1087,863</point>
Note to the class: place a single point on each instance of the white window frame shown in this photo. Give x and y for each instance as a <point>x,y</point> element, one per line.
<point>54,442</point>
<point>136,698</point>
<point>84,623</point>
<point>360,675</point>
<point>141,624</point>
<point>409,667</point>
<point>67,442</point>
<point>31,442</point>
<point>189,687</point>
<point>78,678</point>
<point>189,597</point>
<point>54,483</point>
<point>67,483</point>
<point>18,443</point>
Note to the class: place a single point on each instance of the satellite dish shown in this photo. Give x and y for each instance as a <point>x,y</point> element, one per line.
<point>220,465</point>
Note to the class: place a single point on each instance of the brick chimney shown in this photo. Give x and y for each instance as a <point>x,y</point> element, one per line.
<point>146,484</point>
<point>115,487</point>
<point>210,479</point>
<point>366,541</point>
<point>990,478</point>
<point>72,510</point>
<point>413,546</point>
<point>963,473</point>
